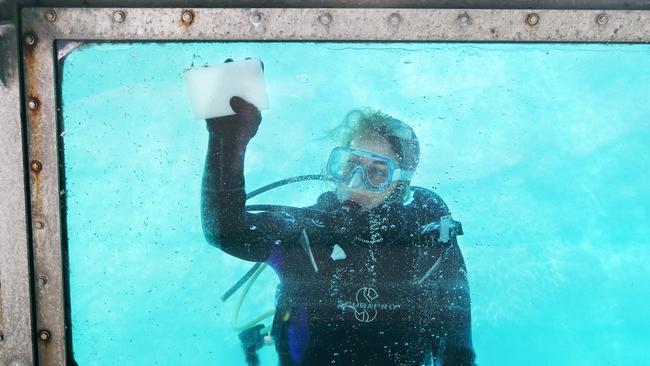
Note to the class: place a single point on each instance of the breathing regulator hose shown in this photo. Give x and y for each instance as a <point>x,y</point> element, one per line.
<point>251,276</point>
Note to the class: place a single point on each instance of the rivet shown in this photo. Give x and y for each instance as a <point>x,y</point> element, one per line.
<point>602,19</point>
<point>50,15</point>
<point>395,19</point>
<point>325,18</point>
<point>39,225</point>
<point>187,17</point>
<point>256,17</point>
<point>532,19</point>
<point>36,166</point>
<point>44,335</point>
<point>42,280</point>
<point>30,39</point>
<point>32,104</point>
<point>464,18</point>
<point>119,16</point>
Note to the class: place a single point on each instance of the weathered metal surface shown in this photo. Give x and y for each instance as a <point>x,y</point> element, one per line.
<point>43,27</point>
<point>346,24</point>
<point>465,4</point>
<point>45,192</point>
<point>15,308</point>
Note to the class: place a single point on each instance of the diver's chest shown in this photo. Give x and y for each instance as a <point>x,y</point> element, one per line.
<point>345,258</point>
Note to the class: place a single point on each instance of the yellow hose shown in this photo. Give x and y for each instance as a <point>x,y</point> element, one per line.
<point>240,301</point>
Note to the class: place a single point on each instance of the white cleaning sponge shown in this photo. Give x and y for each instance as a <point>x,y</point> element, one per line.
<point>210,88</point>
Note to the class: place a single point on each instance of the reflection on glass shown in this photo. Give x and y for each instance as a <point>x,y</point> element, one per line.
<point>540,150</point>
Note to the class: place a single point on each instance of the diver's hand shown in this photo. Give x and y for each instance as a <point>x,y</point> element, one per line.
<point>240,127</point>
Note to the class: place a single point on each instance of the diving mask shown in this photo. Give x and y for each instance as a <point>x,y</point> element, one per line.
<point>377,172</point>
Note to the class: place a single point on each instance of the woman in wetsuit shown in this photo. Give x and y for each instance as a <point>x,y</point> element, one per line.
<point>367,275</point>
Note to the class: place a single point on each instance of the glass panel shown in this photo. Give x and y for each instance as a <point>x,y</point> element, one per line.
<point>540,150</point>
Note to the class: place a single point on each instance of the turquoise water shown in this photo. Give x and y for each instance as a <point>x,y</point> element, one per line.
<point>541,150</point>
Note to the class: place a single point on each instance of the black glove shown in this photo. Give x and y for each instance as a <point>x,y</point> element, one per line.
<point>237,129</point>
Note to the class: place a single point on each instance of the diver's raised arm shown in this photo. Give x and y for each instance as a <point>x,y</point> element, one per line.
<point>223,195</point>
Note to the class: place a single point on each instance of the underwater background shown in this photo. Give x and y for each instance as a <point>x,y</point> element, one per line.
<point>542,151</point>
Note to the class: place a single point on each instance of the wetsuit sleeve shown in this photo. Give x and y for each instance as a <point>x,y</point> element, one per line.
<point>454,346</point>
<point>226,224</point>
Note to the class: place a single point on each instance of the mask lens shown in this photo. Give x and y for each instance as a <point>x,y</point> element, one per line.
<point>339,165</point>
<point>344,162</point>
<point>377,173</point>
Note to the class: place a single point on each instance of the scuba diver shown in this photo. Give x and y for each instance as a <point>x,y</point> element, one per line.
<point>371,274</point>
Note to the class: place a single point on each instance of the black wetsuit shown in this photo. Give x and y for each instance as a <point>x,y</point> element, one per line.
<point>355,289</point>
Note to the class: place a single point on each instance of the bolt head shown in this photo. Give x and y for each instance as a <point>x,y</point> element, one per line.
<point>119,16</point>
<point>187,17</point>
<point>44,335</point>
<point>36,166</point>
<point>42,280</point>
<point>602,19</point>
<point>532,19</point>
<point>256,18</point>
<point>32,104</point>
<point>50,15</point>
<point>395,19</point>
<point>325,18</point>
<point>30,39</point>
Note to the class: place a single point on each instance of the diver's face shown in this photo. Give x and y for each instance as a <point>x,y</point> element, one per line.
<point>354,188</point>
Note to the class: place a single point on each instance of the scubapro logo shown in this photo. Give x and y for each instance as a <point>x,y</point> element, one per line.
<point>365,307</point>
<point>366,295</point>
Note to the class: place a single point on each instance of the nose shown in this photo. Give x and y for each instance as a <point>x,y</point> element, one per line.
<point>356,180</point>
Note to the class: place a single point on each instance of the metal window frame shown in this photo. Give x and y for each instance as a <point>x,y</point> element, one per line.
<point>42,28</point>
<point>15,291</point>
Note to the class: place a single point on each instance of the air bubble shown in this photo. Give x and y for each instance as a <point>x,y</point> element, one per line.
<point>253,227</point>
